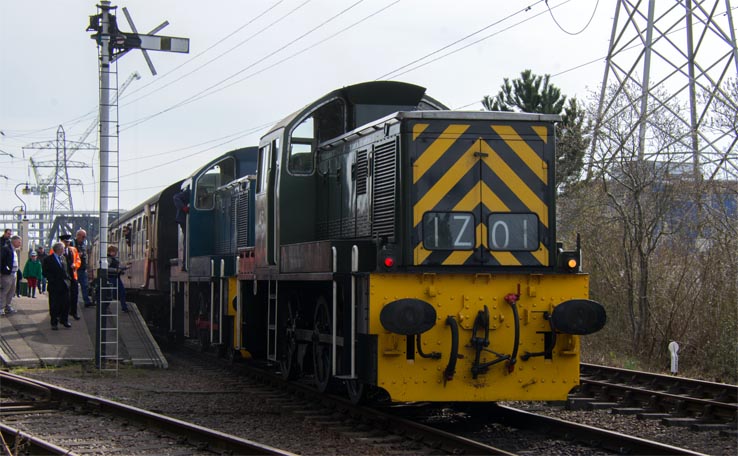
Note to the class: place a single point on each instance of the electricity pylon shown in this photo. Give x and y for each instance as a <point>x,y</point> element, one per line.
<point>675,59</point>
<point>58,184</point>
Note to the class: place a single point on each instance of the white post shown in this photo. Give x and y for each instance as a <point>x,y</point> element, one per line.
<point>104,131</point>
<point>334,337</point>
<point>104,171</point>
<point>223,283</point>
<point>212,298</point>
<point>674,349</point>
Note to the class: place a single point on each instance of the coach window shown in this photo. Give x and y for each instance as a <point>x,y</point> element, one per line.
<point>133,247</point>
<point>137,238</point>
<point>301,148</point>
<point>218,175</point>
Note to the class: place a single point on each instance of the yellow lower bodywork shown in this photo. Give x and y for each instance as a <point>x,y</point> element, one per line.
<point>231,311</point>
<point>462,296</point>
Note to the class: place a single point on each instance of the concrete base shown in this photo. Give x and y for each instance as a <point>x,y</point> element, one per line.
<point>26,337</point>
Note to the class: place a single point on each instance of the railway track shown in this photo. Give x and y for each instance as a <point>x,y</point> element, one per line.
<point>455,435</point>
<point>383,430</point>
<point>601,439</point>
<point>47,419</point>
<point>410,429</point>
<point>676,401</point>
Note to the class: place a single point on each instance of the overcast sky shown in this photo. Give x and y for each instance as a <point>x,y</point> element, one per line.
<point>253,62</point>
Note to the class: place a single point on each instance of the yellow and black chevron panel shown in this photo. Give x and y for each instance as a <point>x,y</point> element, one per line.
<point>482,192</point>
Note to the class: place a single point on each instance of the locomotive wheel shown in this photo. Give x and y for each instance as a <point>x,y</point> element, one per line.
<point>288,362</point>
<point>203,337</point>
<point>356,390</point>
<point>322,348</point>
<point>233,355</point>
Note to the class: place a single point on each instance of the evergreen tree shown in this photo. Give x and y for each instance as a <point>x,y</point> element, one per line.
<point>572,142</point>
<point>534,93</point>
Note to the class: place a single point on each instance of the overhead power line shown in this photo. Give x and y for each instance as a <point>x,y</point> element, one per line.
<point>583,28</point>
<point>205,92</point>
<point>527,8</point>
<point>291,56</point>
<point>448,54</point>
<point>259,32</point>
<point>180,158</point>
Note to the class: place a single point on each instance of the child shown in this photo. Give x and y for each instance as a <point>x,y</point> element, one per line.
<point>114,272</point>
<point>32,273</point>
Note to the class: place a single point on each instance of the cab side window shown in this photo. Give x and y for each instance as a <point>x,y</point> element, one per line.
<point>301,148</point>
<point>265,168</point>
<point>216,176</point>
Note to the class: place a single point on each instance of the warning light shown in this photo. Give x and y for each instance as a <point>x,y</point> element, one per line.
<point>572,263</point>
<point>389,262</point>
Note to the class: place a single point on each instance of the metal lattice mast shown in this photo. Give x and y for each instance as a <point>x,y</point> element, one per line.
<point>61,198</point>
<point>57,186</point>
<point>674,58</point>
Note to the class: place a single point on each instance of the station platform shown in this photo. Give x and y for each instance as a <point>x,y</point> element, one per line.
<point>26,337</point>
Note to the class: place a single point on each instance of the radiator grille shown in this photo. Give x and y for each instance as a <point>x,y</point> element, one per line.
<point>361,172</point>
<point>383,189</point>
<point>242,219</point>
<point>223,234</point>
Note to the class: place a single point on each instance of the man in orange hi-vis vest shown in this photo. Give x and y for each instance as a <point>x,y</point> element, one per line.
<point>74,262</point>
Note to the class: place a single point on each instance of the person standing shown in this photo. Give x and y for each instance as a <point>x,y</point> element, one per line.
<point>32,273</point>
<point>182,204</point>
<point>73,263</point>
<point>114,272</point>
<point>80,243</point>
<point>5,237</point>
<point>9,263</point>
<point>18,280</point>
<point>41,253</point>
<point>56,271</point>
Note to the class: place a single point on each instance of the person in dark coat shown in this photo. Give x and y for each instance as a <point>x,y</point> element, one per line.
<point>9,267</point>
<point>41,257</point>
<point>5,238</point>
<point>182,203</point>
<point>57,275</point>
<point>114,272</point>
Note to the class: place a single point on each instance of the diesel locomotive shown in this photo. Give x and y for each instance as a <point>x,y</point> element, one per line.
<point>378,241</point>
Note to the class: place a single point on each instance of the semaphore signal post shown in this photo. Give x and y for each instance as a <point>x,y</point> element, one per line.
<point>112,45</point>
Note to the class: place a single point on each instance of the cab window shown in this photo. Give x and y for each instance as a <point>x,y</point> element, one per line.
<point>325,123</point>
<point>216,176</point>
<point>301,148</point>
<point>265,168</point>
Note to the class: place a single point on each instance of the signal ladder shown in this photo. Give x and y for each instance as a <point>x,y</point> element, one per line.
<point>107,336</point>
<point>106,349</point>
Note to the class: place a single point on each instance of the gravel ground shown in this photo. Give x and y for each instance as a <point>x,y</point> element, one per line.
<point>708,442</point>
<point>212,398</point>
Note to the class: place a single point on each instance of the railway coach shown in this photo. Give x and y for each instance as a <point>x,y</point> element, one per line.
<point>166,262</point>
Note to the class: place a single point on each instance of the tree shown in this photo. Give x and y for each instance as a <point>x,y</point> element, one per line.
<point>572,136</point>
<point>526,95</point>
<point>534,93</point>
